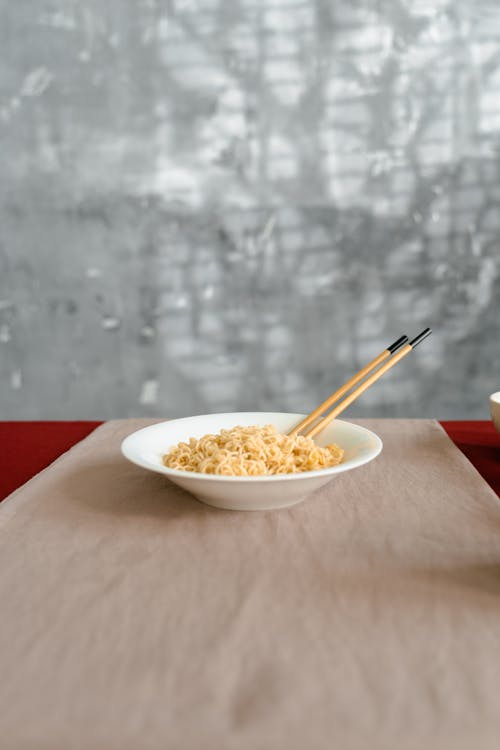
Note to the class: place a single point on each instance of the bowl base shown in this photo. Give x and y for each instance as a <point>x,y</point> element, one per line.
<point>261,505</point>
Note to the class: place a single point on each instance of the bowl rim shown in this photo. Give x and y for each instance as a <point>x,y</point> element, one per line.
<point>199,476</point>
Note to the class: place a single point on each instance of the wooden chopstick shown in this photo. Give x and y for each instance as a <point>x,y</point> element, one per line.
<point>395,358</point>
<point>350,384</point>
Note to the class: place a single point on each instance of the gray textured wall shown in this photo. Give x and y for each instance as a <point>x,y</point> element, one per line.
<point>231,204</point>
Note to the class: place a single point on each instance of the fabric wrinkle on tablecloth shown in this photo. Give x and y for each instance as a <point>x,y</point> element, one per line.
<point>133,616</point>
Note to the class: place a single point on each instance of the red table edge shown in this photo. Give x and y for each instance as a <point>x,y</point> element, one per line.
<point>480,443</point>
<point>27,448</point>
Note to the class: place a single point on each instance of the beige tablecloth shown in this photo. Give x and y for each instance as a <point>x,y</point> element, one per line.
<point>366,618</point>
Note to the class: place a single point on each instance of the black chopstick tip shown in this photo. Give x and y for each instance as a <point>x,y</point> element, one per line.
<point>421,336</point>
<point>397,344</point>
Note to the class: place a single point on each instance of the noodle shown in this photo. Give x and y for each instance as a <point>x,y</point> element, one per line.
<point>252,451</point>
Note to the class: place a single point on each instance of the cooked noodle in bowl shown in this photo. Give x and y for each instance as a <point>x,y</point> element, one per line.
<point>295,467</point>
<point>266,464</point>
<point>251,451</point>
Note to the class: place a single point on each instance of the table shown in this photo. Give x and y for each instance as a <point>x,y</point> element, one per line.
<point>153,621</point>
<point>28,447</point>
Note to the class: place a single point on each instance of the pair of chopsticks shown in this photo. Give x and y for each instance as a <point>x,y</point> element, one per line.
<point>388,356</point>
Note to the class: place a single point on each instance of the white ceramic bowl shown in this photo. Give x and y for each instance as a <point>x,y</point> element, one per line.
<point>147,446</point>
<point>495,409</point>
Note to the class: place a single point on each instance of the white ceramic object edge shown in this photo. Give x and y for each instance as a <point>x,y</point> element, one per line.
<point>495,409</point>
